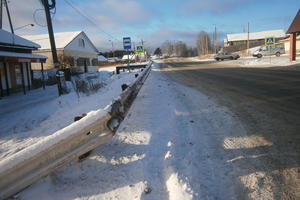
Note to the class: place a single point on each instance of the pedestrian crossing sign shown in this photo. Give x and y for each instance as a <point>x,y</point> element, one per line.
<point>270,41</point>
<point>140,48</point>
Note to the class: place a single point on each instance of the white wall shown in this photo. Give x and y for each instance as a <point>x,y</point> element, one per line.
<point>287,46</point>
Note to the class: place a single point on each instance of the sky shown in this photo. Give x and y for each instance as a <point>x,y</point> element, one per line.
<point>153,21</point>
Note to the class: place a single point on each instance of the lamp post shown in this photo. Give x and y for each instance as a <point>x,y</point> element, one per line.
<point>18,28</point>
<point>112,47</point>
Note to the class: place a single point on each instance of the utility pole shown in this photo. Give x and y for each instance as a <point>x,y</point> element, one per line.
<point>145,56</point>
<point>112,48</point>
<point>248,38</point>
<point>51,34</point>
<point>215,39</point>
<point>9,19</point>
<point>52,42</point>
<point>1,13</point>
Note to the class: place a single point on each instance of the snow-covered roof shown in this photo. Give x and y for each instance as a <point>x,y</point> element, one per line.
<point>256,35</point>
<point>61,39</point>
<point>21,55</point>
<point>288,39</point>
<point>15,40</point>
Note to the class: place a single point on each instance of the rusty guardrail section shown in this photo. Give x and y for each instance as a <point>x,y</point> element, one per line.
<point>29,165</point>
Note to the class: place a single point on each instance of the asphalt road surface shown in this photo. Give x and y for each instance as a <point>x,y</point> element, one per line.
<point>267,102</point>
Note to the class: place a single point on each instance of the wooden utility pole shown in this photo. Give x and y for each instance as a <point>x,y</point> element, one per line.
<point>51,34</point>
<point>215,40</point>
<point>9,19</point>
<point>1,11</point>
<point>248,38</point>
<point>52,42</point>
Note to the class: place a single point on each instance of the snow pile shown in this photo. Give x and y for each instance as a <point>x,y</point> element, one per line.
<point>266,60</point>
<point>26,119</point>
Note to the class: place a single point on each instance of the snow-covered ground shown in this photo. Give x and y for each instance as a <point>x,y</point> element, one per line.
<point>266,61</point>
<point>173,144</point>
<point>25,119</point>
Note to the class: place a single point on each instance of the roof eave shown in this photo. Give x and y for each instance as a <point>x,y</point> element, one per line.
<point>295,25</point>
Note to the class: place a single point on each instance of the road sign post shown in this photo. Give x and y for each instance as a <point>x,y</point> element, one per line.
<point>127,46</point>
<point>139,49</point>
<point>270,42</point>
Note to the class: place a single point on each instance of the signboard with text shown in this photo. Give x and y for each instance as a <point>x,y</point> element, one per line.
<point>127,43</point>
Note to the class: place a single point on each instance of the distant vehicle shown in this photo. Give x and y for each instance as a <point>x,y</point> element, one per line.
<point>226,55</point>
<point>111,60</point>
<point>131,57</point>
<point>264,51</point>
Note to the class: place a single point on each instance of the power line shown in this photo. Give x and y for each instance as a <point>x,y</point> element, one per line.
<point>87,18</point>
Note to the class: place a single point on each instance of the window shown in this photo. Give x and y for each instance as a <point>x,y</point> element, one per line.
<point>83,62</point>
<point>81,43</point>
<point>95,62</point>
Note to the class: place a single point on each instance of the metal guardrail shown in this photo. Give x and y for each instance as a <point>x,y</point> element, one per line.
<point>29,165</point>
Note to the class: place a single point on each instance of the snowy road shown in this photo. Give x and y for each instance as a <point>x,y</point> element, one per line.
<point>175,143</point>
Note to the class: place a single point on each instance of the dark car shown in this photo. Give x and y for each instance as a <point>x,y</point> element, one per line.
<point>226,55</point>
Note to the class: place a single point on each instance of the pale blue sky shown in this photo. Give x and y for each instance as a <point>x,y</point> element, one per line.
<point>156,20</point>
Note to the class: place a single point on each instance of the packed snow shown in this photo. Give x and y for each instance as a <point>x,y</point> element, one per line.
<point>266,61</point>
<point>173,144</point>
<point>26,119</point>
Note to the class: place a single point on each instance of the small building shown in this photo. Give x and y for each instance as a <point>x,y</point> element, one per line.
<point>74,49</point>
<point>16,59</point>
<point>239,40</point>
<point>102,59</point>
<point>294,32</point>
<point>286,43</point>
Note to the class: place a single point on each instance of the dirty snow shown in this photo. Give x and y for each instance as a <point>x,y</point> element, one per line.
<point>266,61</point>
<point>26,119</point>
<point>170,146</point>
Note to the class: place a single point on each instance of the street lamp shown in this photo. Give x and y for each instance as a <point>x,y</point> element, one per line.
<point>112,47</point>
<point>18,28</point>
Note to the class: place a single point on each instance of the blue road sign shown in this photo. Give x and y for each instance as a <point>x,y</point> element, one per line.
<point>270,41</point>
<point>127,43</point>
<point>140,48</point>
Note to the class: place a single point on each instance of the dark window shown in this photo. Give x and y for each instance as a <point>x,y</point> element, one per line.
<point>81,43</point>
<point>83,62</point>
<point>95,62</point>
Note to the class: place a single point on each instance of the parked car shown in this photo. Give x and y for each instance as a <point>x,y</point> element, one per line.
<point>264,51</point>
<point>226,55</point>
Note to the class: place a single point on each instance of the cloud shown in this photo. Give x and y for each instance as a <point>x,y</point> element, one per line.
<point>119,13</point>
<point>155,39</point>
<point>198,7</point>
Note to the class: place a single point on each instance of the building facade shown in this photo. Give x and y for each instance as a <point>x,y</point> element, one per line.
<point>238,41</point>
<point>16,58</point>
<point>75,51</point>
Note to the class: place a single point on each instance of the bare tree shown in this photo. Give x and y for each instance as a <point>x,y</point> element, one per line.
<point>181,49</point>
<point>168,48</point>
<point>204,43</point>
<point>65,61</point>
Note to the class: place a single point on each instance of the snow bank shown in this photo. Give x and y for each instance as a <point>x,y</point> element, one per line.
<point>266,60</point>
<point>27,119</point>
<point>170,146</point>
<point>50,140</point>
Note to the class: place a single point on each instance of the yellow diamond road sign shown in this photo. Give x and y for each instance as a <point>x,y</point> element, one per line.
<point>270,41</point>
